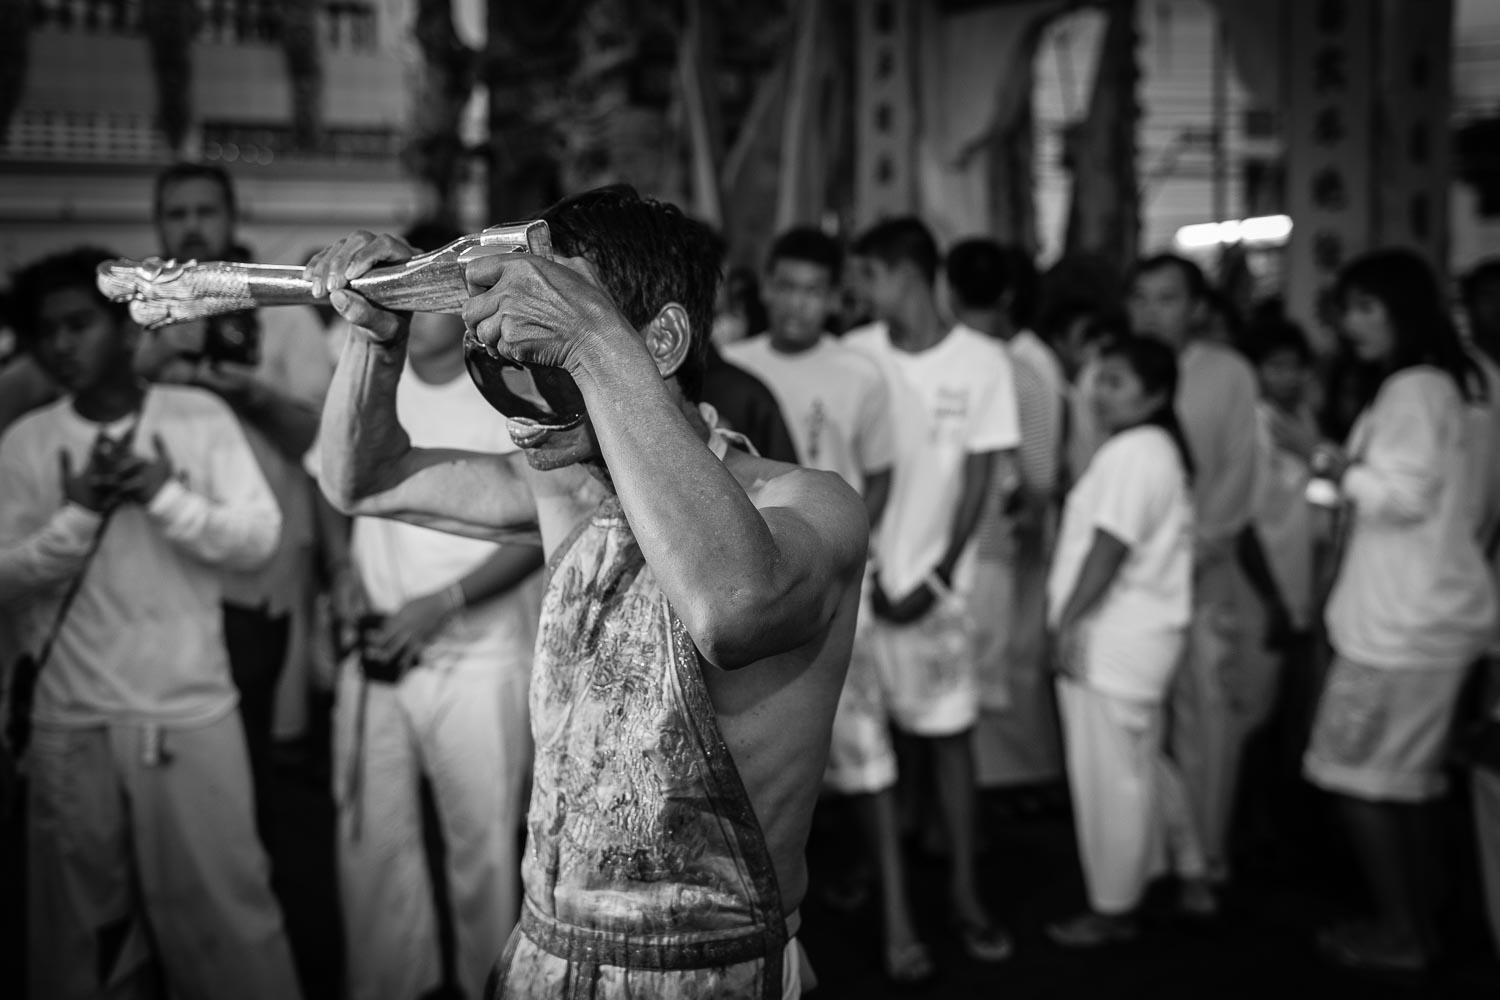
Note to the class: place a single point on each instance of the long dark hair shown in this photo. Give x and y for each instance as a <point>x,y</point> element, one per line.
<point>1155,365</point>
<point>1407,287</point>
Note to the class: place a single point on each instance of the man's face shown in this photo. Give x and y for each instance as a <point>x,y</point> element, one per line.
<point>799,297</point>
<point>79,342</point>
<point>877,285</point>
<point>1162,306</point>
<point>194,221</point>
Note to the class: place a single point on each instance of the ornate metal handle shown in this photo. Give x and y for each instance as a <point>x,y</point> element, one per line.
<point>163,292</point>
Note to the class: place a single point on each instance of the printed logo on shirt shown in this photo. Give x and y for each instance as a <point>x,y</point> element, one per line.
<point>816,420</point>
<point>950,414</point>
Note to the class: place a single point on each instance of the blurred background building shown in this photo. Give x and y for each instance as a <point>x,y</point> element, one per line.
<point>1115,126</point>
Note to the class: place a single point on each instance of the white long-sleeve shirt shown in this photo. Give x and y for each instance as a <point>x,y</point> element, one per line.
<point>1413,590</point>
<point>143,640</point>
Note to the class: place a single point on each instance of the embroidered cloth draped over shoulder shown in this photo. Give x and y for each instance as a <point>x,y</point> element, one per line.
<point>646,871</point>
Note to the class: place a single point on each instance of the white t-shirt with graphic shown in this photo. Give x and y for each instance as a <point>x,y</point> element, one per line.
<point>953,400</point>
<point>1135,489</point>
<point>835,402</point>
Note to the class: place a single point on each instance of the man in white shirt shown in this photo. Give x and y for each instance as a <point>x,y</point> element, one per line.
<point>142,842</point>
<point>834,399</point>
<point>956,431</point>
<point>272,368</point>
<point>1217,398</point>
<point>459,623</point>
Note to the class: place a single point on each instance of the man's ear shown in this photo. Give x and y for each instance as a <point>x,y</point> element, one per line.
<point>669,338</point>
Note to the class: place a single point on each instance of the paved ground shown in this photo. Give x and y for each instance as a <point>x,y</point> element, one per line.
<point>1258,948</point>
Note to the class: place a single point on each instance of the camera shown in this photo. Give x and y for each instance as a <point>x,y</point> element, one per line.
<point>376,668</point>
<point>233,338</point>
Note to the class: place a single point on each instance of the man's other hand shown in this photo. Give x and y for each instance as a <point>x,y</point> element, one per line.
<point>141,478</point>
<point>540,312</point>
<point>910,608</point>
<point>93,487</point>
<point>409,630</point>
<point>331,269</point>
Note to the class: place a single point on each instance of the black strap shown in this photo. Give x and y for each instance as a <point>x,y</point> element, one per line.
<point>74,586</point>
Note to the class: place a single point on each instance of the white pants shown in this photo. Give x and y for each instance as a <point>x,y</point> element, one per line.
<point>1209,718</point>
<point>145,844</point>
<point>462,723</point>
<point>1129,806</point>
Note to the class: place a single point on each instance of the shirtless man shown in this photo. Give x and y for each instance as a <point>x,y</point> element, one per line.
<point>699,605</point>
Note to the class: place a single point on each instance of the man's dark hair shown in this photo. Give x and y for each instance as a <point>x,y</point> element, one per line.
<point>906,239</point>
<point>178,172</point>
<point>1192,274</point>
<point>646,254</point>
<point>978,271</point>
<point>74,268</point>
<point>810,246</point>
<point>431,234</point>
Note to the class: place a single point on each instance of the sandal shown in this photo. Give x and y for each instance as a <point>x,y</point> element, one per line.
<point>1092,930</point>
<point>985,942</point>
<point>909,964</point>
<point>1363,948</point>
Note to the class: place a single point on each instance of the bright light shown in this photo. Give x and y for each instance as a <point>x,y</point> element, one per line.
<point>1261,229</point>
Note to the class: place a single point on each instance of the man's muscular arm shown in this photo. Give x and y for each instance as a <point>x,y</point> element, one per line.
<point>748,578</point>
<point>369,466</point>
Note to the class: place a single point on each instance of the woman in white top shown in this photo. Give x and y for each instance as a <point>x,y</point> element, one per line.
<point>1120,597</point>
<point>1413,604</point>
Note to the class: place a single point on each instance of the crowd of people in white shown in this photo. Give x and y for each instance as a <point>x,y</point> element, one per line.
<point>1086,503</point>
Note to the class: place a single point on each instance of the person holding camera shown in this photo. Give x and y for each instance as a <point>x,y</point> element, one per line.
<point>437,689</point>
<point>119,505</point>
<point>272,368</point>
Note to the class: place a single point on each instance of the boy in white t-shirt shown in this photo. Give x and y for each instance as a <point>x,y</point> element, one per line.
<point>956,429</point>
<point>1120,600</point>
<point>834,399</point>
<point>457,625</point>
<point>143,862</point>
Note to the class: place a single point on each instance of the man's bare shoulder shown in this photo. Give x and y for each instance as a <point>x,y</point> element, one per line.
<point>828,502</point>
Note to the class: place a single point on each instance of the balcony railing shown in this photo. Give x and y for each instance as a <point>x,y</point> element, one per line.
<point>346,24</point>
<point>94,137</point>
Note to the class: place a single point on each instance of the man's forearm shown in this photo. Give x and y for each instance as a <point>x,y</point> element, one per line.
<point>1100,567</point>
<point>51,555</point>
<point>507,567</point>
<point>360,433</point>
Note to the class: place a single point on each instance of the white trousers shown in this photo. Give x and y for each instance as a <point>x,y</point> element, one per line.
<point>1210,717</point>
<point>1129,806</point>
<point>143,851</point>
<point>462,723</point>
